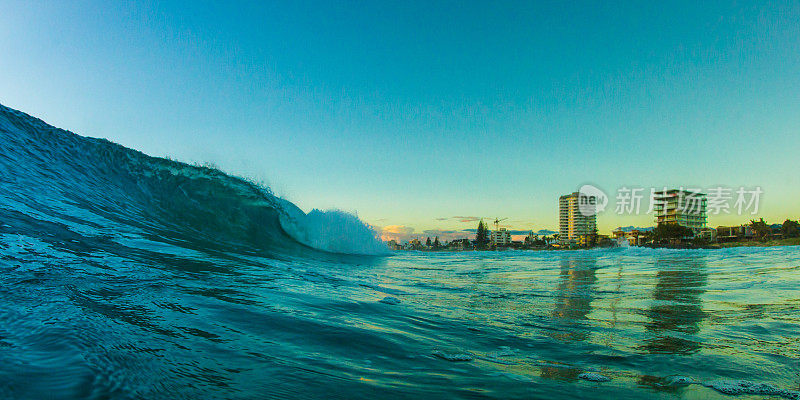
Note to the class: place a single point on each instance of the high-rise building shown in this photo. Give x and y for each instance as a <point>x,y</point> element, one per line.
<point>683,207</point>
<point>574,226</point>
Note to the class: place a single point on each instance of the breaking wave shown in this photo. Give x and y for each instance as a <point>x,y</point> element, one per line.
<point>93,186</point>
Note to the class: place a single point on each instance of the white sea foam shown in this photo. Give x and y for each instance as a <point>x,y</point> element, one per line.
<point>333,230</point>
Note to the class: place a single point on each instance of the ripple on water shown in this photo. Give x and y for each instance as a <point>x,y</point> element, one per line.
<point>594,377</point>
<point>737,387</point>
<point>452,356</point>
<point>390,300</point>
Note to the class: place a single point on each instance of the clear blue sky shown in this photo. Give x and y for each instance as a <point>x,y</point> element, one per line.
<point>411,112</point>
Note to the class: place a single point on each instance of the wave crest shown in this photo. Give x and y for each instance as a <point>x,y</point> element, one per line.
<point>51,174</point>
<point>334,231</point>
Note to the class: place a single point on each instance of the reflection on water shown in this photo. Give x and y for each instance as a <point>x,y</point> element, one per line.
<point>573,297</point>
<point>677,310</point>
<point>573,301</point>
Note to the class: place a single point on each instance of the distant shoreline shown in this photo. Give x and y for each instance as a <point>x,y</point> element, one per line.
<point>769,243</point>
<point>727,245</point>
<point>688,246</point>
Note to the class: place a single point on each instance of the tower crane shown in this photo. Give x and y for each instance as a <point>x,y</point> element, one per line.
<point>497,222</point>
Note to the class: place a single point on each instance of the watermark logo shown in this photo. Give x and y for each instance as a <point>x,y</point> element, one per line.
<point>687,201</point>
<point>591,200</point>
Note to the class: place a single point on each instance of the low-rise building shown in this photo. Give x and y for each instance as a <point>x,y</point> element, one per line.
<point>500,237</point>
<point>709,234</point>
<point>634,237</point>
<point>732,233</point>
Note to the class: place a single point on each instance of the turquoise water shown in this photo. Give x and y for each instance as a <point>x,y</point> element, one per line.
<point>131,277</point>
<point>465,325</point>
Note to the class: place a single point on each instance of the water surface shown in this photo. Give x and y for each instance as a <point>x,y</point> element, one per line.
<point>173,323</point>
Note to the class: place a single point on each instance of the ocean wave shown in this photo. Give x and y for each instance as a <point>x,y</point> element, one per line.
<point>95,186</point>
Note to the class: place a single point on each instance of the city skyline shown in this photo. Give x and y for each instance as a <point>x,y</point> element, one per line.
<point>423,117</point>
<point>727,207</point>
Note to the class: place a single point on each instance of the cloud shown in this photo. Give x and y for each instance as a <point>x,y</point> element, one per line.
<point>460,218</point>
<point>518,232</point>
<point>438,232</point>
<point>397,232</point>
<point>403,233</point>
<point>398,229</point>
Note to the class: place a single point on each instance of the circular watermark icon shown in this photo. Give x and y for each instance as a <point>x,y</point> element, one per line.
<point>591,200</point>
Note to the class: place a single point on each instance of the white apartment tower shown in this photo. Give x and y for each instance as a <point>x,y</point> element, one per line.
<point>574,227</point>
